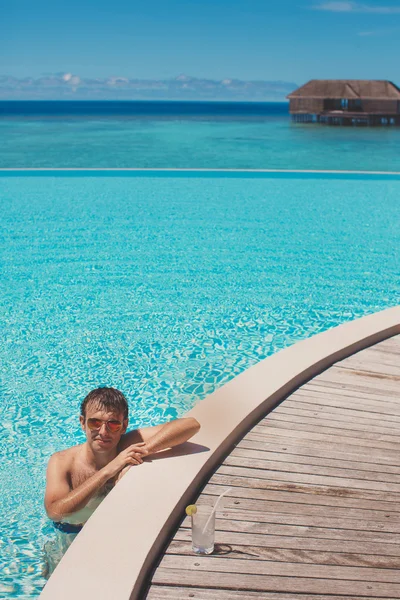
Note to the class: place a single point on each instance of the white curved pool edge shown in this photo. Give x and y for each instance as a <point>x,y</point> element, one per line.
<point>114,554</point>
<point>190,170</point>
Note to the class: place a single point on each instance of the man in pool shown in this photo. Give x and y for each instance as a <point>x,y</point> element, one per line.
<point>79,478</point>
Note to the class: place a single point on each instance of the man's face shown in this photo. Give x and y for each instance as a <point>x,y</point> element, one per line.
<point>103,438</point>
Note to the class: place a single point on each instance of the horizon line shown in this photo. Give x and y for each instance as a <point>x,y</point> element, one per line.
<point>187,100</point>
<point>195,170</point>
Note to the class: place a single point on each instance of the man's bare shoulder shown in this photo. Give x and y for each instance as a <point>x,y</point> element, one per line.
<point>64,458</point>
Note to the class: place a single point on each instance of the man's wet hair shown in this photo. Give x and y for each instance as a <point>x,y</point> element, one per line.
<point>106,398</point>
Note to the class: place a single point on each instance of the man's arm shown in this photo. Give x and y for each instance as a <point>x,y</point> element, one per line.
<point>161,437</point>
<point>61,501</point>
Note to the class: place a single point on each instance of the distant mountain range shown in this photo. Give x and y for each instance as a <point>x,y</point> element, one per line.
<point>67,86</point>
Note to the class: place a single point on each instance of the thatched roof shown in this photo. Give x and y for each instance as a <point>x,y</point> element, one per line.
<point>347,88</point>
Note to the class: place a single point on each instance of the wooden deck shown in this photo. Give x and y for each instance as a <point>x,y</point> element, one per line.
<point>314,510</point>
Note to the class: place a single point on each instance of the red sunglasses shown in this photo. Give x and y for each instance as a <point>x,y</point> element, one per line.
<point>112,425</point>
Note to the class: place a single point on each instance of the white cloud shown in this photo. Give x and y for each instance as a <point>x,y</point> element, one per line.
<point>356,7</point>
<point>71,79</point>
<point>115,80</point>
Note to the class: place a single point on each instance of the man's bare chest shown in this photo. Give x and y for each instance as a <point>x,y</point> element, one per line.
<point>80,473</point>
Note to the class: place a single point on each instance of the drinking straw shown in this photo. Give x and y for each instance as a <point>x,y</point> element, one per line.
<point>215,508</point>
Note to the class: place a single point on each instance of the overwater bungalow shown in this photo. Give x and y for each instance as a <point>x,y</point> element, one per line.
<point>346,102</point>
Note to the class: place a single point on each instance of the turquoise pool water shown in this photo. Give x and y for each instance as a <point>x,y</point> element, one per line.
<point>165,286</point>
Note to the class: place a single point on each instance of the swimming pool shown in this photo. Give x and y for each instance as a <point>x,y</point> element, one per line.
<point>164,285</point>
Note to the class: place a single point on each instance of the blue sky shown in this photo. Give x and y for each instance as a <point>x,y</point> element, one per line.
<point>291,40</point>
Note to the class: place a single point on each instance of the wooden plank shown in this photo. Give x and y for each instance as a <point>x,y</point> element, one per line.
<point>340,409</point>
<point>353,388</point>
<point>379,346</point>
<point>239,514</point>
<point>305,434</point>
<point>289,555</point>
<point>290,455</point>
<point>350,389</point>
<point>275,568</point>
<point>388,356</point>
<point>369,393</point>
<point>389,412</point>
<point>277,439</point>
<point>234,538</point>
<point>238,459</point>
<point>307,501</point>
<point>283,483</point>
<point>334,397</point>
<point>378,354</point>
<point>299,585</point>
<point>296,476</point>
<point>384,380</point>
<point>360,385</point>
<point>164,592</point>
<point>391,459</point>
<point>384,345</point>
<point>339,415</point>
<point>369,366</point>
<point>387,376</point>
<point>384,348</point>
<point>391,343</point>
<point>381,370</point>
<point>322,399</point>
<point>167,592</point>
<point>351,424</point>
<point>337,411</point>
<point>328,533</point>
<point>366,438</point>
<point>374,356</point>
<point>280,483</point>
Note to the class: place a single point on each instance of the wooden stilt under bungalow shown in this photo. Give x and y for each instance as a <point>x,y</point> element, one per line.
<point>314,510</point>
<point>346,102</point>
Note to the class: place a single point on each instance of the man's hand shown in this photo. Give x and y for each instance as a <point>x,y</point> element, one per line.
<point>131,456</point>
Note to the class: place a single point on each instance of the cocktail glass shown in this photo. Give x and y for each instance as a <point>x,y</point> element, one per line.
<point>203,530</point>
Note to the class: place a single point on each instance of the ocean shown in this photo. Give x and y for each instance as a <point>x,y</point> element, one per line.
<point>185,135</point>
